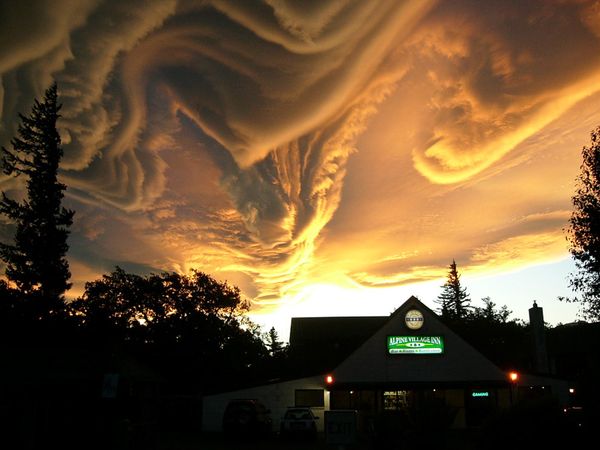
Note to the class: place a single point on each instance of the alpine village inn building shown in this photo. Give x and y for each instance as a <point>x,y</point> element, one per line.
<point>408,361</point>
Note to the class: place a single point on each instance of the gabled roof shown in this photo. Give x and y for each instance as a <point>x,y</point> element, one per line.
<point>460,363</point>
<point>306,331</point>
<point>318,344</point>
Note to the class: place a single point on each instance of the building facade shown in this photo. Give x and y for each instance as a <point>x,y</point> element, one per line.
<point>406,370</point>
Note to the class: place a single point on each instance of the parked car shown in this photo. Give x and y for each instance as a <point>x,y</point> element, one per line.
<point>299,422</point>
<point>246,417</point>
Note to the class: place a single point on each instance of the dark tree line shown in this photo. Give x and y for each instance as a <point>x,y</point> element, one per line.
<point>190,328</point>
<point>488,328</point>
<point>583,233</point>
<point>455,303</point>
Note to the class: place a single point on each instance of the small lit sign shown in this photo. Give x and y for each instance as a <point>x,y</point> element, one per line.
<point>480,394</point>
<point>414,319</point>
<point>415,345</point>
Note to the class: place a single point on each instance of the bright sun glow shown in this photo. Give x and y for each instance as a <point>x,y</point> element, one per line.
<point>350,299</point>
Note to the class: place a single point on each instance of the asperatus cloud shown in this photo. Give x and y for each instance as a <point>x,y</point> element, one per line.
<point>283,144</point>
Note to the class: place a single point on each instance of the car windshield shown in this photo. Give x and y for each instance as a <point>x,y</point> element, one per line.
<point>298,414</point>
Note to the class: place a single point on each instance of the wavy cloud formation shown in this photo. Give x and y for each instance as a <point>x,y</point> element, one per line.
<point>218,134</point>
<point>497,78</point>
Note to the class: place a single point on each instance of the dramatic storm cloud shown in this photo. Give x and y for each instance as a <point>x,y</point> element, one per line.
<point>281,145</point>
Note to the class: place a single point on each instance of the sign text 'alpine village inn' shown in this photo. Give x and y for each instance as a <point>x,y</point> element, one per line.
<point>415,345</point>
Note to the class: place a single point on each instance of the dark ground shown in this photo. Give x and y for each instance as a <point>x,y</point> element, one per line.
<point>501,438</point>
<point>452,440</point>
<point>180,441</point>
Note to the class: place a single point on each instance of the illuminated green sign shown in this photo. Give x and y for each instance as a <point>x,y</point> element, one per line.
<point>480,394</point>
<point>415,345</point>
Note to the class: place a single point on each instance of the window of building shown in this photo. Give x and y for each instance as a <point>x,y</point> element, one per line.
<point>310,397</point>
<point>395,400</point>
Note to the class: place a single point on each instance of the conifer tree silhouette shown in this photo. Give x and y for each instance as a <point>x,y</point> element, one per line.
<point>454,300</point>
<point>36,262</point>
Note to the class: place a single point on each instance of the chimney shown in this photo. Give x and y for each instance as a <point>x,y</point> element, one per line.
<point>538,336</point>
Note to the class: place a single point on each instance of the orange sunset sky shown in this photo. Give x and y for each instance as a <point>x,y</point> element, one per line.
<point>329,158</point>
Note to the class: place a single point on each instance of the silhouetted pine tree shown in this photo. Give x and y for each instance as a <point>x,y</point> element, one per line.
<point>275,346</point>
<point>36,262</point>
<point>454,301</point>
<point>584,231</point>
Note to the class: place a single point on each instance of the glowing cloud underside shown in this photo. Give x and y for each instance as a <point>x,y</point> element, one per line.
<point>218,135</point>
